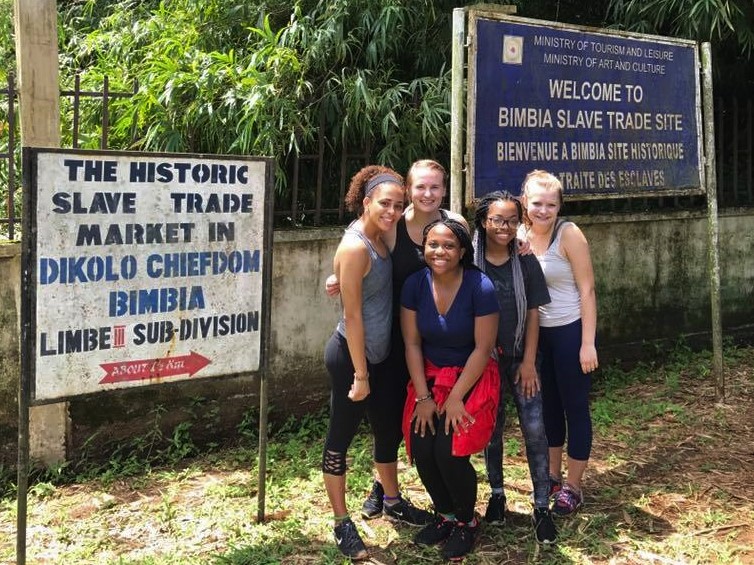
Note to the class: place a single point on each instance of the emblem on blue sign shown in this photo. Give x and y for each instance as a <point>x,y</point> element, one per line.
<point>513,49</point>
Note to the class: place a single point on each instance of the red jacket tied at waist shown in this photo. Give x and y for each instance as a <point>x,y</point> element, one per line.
<point>481,402</point>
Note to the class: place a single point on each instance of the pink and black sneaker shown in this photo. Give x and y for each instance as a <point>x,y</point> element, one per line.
<point>567,501</point>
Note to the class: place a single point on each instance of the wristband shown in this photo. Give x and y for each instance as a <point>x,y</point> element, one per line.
<point>428,396</point>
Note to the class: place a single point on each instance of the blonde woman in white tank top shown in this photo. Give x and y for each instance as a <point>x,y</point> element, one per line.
<point>567,334</point>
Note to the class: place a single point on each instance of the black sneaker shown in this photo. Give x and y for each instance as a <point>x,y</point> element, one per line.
<point>372,506</point>
<point>404,511</point>
<point>461,541</point>
<point>436,531</point>
<point>495,514</point>
<point>544,527</point>
<point>349,541</point>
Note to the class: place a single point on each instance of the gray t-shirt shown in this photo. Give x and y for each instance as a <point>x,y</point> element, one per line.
<point>536,295</point>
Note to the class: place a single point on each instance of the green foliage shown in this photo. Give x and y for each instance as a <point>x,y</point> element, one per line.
<point>716,21</point>
<point>180,444</point>
<point>248,427</point>
<point>266,78</point>
<point>7,41</point>
<point>512,447</point>
<point>135,456</point>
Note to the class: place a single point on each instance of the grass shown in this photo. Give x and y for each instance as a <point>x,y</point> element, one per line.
<point>668,483</point>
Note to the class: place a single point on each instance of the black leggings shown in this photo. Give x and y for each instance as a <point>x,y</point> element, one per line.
<point>450,481</point>
<point>383,409</point>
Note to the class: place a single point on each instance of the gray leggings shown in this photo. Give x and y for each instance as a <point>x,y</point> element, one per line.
<point>532,428</point>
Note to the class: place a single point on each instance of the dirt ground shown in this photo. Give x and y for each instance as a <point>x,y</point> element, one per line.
<point>669,483</point>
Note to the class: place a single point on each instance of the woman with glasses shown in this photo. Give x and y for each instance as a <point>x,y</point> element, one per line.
<point>520,288</point>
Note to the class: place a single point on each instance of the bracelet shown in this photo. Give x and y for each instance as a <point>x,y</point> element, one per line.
<point>365,377</point>
<point>424,398</point>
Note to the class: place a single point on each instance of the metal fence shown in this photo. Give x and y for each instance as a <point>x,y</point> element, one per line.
<point>9,213</point>
<point>318,177</point>
<point>10,158</point>
<point>734,129</point>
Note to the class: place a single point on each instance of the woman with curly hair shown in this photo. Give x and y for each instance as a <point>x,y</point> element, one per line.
<point>361,340</point>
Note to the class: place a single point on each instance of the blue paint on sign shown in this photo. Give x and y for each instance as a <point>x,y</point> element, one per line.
<point>607,114</point>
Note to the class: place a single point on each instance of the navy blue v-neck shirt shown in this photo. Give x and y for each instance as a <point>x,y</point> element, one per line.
<point>447,341</point>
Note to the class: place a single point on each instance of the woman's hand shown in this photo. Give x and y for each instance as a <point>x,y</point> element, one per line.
<point>359,390</point>
<point>332,286</point>
<point>524,247</point>
<point>456,416</point>
<point>424,417</point>
<point>588,358</point>
<point>526,377</point>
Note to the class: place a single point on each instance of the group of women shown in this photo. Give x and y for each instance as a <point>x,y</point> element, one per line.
<point>435,325</point>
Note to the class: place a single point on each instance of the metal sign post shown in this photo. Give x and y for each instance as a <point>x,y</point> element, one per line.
<point>713,226</point>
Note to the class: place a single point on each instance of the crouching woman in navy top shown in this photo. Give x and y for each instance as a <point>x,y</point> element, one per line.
<point>449,318</point>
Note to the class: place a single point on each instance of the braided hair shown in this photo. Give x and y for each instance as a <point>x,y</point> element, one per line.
<point>462,235</point>
<point>480,249</point>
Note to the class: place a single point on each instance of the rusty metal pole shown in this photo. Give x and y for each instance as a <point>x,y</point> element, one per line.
<point>713,226</point>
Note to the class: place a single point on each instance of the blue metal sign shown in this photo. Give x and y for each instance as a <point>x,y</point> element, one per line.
<point>610,115</point>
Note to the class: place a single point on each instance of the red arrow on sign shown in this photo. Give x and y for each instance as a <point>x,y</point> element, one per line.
<point>153,368</point>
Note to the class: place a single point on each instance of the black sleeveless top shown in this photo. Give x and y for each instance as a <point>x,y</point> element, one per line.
<point>408,257</point>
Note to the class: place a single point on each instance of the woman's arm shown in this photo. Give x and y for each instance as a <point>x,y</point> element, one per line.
<point>576,249</point>
<point>527,372</point>
<point>351,265</point>
<point>425,410</point>
<point>485,334</point>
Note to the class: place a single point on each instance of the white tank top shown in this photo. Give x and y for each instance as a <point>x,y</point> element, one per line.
<point>565,301</point>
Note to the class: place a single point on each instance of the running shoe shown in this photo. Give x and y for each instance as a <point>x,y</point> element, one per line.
<point>349,541</point>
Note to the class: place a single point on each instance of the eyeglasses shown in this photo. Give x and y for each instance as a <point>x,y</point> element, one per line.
<point>499,222</point>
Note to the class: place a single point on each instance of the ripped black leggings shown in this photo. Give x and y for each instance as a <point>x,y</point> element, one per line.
<point>383,406</point>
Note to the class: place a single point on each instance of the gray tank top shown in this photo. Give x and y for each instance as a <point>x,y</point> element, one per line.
<point>376,303</point>
<point>565,300</point>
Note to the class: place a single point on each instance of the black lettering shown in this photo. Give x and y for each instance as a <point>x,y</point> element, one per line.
<point>62,205</point>
<point>73,166</point>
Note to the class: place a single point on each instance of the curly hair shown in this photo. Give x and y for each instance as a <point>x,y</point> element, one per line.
<point>357,188</point>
